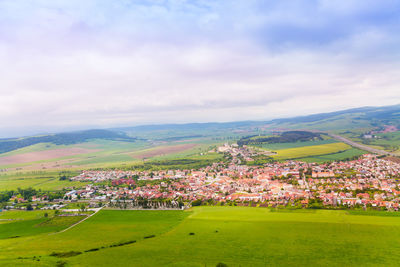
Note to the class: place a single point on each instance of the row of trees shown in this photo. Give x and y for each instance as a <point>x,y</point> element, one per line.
<point>142,203</point>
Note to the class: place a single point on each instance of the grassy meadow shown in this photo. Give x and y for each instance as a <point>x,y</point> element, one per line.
<point>20,224</point>
<point>206,236</point>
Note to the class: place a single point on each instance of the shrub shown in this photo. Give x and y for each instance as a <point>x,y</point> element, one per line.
<point>125,243</point>
<point>65,254</point>
<point>197,202</point>
<point>92,249</point>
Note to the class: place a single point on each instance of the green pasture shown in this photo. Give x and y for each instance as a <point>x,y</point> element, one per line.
<point>105,229</point>
<point>206,236</point>
<point>18,224</point>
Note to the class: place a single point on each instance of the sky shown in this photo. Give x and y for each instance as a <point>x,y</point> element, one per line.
<point>73,64</point>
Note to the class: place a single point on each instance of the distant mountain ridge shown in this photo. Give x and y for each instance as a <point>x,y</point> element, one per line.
<point>386,113</point>
<point>356,118</point>
<point>70,138</point>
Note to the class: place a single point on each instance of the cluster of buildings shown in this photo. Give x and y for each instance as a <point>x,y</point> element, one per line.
<point>366,182</point>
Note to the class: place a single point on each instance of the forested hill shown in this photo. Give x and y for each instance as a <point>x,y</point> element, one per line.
<point>70,138</point>
<point>285,137</point>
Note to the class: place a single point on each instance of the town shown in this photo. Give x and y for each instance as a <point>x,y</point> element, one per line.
<point>367,182</point>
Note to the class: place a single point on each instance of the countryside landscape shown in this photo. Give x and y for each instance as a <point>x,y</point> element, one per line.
<point>199,133</point>
<point>190,197</point>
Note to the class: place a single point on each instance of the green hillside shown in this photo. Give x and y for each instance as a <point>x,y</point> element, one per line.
<point>207,236</point>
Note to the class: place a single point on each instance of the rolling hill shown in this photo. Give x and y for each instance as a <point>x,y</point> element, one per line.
<point>124,145</point>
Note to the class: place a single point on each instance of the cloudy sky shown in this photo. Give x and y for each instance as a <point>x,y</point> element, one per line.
<point>74,64</point>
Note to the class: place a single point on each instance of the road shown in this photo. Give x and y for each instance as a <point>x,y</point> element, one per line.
<point>360,146</point>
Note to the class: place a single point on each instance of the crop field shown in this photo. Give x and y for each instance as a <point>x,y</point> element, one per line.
<point>348,154</point>
<point>44,155</point>
<point>162,151</point>
<point>98,153</point>
<point>278,146</point>
<point>206,236</point>
<point>308,151</point>
<point>49,179</point>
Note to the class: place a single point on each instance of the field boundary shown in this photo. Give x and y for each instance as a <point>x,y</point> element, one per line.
<point>75,224</point>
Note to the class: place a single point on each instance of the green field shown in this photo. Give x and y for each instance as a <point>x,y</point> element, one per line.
<point>18,224</point>
<point>308,151</point>
<point>386,141</point>
<point>277,146</point>
<point>206,236</point>
<point>348,154</point>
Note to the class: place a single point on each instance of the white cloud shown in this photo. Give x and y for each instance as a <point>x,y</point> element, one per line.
<point>102,63</point>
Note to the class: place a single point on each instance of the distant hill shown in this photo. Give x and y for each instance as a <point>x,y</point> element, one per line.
<point>360,120</point>
<point>365,117</point>
<point>167,132</point>
<point>11,144</point>
<point>356,118</point>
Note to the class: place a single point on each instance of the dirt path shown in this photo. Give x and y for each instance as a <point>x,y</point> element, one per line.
<point>75,224</point>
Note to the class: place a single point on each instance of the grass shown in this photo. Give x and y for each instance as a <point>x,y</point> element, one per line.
<point>28,223</point>
<point>206,236</point>
<point>308,151</point>
<point>22,215</point>
<point>106,228</point>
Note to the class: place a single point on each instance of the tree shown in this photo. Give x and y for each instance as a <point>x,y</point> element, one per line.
<point>29,207</point>
<point>82,207</point>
